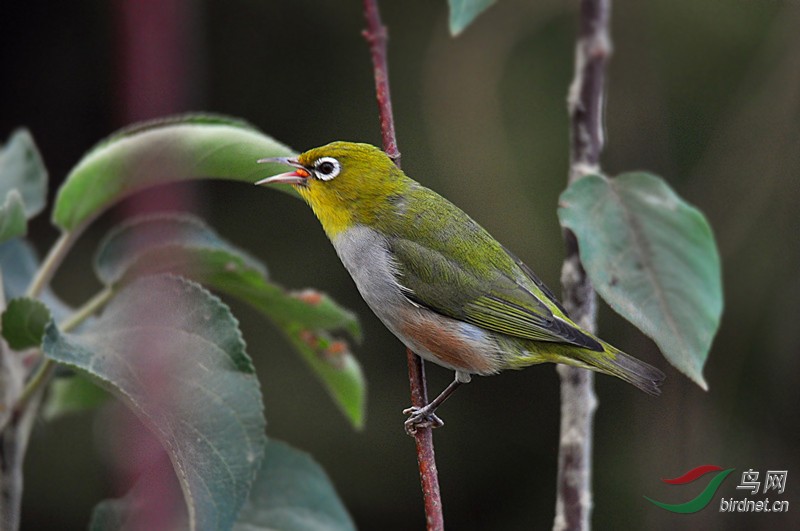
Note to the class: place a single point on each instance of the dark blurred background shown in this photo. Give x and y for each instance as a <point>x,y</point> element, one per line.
<point>705,94</point>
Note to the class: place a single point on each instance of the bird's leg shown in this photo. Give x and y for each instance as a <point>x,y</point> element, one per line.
<point>424,417</point>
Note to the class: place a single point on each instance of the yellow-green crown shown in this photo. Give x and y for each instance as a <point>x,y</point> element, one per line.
<point>350,183</point>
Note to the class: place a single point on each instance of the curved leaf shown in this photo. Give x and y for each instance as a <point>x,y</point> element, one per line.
<point>463,12</point>
<point>173,353</point>
<point>652,257</point>
<point>175,149</point>
<point>184,245</point>
<point>292,493</point>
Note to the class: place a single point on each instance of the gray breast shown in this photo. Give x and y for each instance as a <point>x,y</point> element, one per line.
<point>365,254</point>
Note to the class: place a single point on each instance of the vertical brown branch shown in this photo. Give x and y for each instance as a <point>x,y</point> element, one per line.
<point>376,37</point>
<point>426,460</point>
<point>578,400</point>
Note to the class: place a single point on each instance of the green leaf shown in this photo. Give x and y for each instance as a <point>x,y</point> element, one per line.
<point>652,257</point>
<point>13,222</point>
<point>72,394</point>
<point>173,353</point>
<point>23,323</point>
<point>175,149</point>
<point>463,12</point>
<point>183,245</point>
<point>292,493</point>
<point>22,169</point>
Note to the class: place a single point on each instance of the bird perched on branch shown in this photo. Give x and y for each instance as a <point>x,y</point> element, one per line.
<point>445,287</point>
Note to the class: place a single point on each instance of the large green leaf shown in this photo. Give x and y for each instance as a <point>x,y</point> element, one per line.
<point>173,353</point>
<point>174,149</point>
<point>23,323</point>
<point>652,257</point>
<point>463,12</point>
<point>183,245</point>
<point>292,493</point>
<point>23,184</point>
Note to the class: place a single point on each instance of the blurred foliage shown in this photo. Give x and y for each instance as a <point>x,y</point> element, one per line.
<point>184,245</point>
<point>704,94</point>
<point>165,346</point>
<point>172,352</point>
<point>23,184</point>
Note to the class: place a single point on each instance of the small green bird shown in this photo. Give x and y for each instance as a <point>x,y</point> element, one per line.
<point>447,289</point>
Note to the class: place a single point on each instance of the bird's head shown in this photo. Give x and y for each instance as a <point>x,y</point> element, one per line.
<point>345,183</point>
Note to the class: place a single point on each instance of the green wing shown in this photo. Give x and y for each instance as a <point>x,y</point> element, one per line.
<point>464,273</point>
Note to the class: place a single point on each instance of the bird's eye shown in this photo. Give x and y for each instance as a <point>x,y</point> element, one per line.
<point>327,168</point>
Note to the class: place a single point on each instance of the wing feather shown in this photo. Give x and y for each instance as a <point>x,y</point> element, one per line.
<point>500,305</point>
<point>493,289</point>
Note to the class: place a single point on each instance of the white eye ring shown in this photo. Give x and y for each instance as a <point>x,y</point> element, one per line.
<point>326,168</point>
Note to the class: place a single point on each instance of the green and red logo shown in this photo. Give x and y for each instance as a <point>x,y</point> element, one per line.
<point>702,499</point>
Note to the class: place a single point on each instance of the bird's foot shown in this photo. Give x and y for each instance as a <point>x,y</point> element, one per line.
<point>420,417</point>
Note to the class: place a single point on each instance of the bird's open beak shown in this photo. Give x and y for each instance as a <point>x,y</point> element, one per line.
<point>298,176</point>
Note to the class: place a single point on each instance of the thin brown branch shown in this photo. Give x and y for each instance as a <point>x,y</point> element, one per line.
<point>578,400</point>
<point>426,460</point>
<point>376,36</point>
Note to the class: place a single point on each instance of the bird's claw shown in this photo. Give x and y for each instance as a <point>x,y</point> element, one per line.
<point>420,417</point>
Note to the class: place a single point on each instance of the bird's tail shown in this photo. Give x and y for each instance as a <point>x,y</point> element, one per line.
<point>616,363</point>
